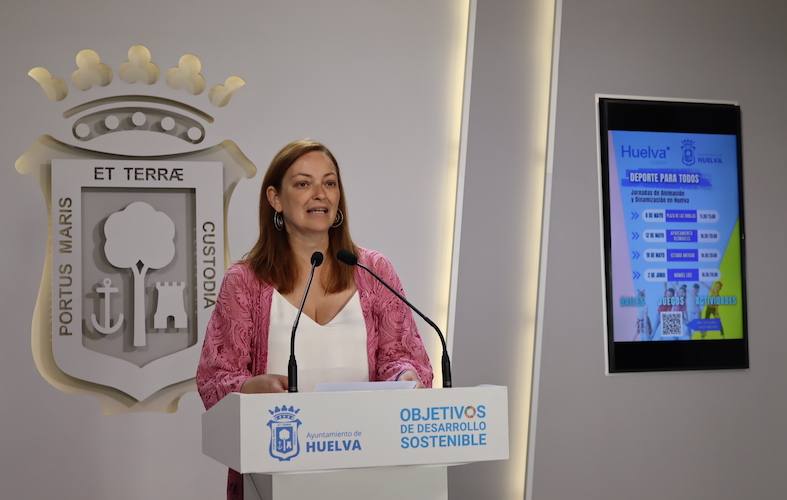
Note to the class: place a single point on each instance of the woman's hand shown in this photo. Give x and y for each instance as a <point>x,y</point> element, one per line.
<point>270,382</point>
<point>411,375</point>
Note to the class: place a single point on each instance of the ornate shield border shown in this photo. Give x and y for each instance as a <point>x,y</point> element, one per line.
<point>37,161</point>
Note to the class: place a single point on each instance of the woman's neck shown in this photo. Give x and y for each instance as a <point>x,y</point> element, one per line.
<point>303,246</point>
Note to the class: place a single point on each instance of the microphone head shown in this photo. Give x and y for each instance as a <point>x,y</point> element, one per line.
<point>347,257</point>
<point>317,258</point>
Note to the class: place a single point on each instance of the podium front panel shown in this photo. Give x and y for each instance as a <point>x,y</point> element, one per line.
<point>340,430</point>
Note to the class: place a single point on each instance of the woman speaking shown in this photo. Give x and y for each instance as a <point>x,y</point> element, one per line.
<point>352,328</point>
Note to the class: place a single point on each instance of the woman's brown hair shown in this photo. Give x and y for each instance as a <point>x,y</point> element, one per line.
<point>271,258</point>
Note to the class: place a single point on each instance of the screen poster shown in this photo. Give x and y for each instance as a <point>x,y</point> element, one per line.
<point>673,235</point>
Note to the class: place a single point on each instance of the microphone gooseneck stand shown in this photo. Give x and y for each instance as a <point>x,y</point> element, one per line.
<point>349,258</point>
<point>292,366</point>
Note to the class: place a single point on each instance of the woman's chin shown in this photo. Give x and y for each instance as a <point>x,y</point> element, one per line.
<point>313,229</point>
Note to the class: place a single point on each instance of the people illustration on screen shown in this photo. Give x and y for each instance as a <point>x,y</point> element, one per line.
<point>712,307</point>
<point>665,305</point>
<point>644,328</point>
<point>681,306</point>
<point>693,309</point>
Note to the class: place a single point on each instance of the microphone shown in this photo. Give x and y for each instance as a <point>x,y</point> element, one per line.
<point>349,258</point>
<point>292,367</point>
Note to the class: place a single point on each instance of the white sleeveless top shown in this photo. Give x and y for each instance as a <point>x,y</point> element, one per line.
<point>334,352</point>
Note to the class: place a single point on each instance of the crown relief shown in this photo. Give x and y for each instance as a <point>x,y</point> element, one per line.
<point>187,75</point>
<point>54,88</point>
<point>139,68</point>
<point>90,71</point>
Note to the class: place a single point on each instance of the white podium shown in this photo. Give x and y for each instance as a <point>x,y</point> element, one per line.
<point>355,445</point>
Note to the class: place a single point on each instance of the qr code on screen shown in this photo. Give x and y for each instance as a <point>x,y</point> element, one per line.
<point>672,324</point>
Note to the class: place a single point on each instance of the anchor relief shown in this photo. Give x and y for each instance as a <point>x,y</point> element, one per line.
<point>104,292</point>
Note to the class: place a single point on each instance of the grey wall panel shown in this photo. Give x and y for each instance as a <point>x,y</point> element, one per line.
<point>503,199</point>
<point>682,435</point>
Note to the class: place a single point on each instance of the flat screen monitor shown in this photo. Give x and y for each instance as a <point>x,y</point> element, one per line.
<point>673,233</point>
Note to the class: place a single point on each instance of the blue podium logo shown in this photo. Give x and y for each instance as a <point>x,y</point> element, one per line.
<point>284,425</point>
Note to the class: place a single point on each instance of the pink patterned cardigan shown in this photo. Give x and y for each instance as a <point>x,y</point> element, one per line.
<point>236,341</point>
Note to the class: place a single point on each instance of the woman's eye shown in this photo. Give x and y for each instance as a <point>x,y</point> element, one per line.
<point>331,183</point>
<point>302,184</point>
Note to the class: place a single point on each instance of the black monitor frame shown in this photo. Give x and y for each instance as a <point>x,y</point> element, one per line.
<point>669,116</point>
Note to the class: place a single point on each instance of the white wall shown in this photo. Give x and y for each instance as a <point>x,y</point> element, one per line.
<point>379,82</point>
<point>683,435</point>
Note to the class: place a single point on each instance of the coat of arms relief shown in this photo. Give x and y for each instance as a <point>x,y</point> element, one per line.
<point>137,244</point>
